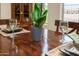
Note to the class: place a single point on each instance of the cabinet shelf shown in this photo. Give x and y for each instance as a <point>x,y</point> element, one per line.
<point>23,13</point>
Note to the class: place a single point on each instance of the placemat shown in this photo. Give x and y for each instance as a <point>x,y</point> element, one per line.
<point>9,34</point>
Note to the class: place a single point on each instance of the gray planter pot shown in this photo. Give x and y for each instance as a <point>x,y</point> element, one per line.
<point>36,33</point>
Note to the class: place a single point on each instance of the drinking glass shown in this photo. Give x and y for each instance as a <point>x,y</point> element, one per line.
<point>63,29</point>
<point>12,27</point>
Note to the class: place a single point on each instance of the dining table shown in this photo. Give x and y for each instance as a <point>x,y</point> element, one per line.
<point>69,47</point>
<point>25,45</point>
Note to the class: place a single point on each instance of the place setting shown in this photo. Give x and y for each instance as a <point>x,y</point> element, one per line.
<point>12,27</point>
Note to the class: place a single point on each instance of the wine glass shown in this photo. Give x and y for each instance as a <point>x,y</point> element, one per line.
<point>63,29</point>
<point>13,48</point>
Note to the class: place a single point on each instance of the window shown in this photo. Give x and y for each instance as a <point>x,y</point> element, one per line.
<point>71,12</point>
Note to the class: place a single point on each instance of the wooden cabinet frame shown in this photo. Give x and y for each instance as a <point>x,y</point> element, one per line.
<point>21,15</point>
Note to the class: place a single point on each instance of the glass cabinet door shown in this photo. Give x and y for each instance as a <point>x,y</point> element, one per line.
<point>20,11</point>
<point>17,11</point>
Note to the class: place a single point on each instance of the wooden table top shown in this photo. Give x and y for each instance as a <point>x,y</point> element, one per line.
<point>28,47</point>
<point>58,50</point>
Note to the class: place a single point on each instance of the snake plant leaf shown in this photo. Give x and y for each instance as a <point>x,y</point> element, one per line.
<point>37,11</point>
<point>42,19</point>
<point>44,12</point>
<point>38,16</point>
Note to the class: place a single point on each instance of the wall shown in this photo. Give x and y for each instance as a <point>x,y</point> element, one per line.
<point>5,11</point>
<point>53,14</point>
<point>0,10</point>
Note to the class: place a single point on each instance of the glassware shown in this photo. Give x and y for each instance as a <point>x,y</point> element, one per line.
<point>12,27</point>
<point>63,29</point>
<point>44,43</point>
<point>27,19</point>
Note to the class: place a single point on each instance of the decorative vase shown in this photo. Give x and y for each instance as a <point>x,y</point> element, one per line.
<point>36,33</point>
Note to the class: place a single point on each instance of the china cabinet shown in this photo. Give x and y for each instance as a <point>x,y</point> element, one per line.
<point>21,12</point>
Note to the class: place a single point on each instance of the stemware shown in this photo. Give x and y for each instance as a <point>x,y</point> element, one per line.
<point>12,27</point>
<point>63,29</point>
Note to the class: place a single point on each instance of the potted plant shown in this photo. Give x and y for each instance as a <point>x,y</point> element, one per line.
<point>38,19</point>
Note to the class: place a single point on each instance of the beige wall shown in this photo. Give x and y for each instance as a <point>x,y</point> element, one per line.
<point>53,13</point>
<point>5,10</point>
<point>0,10</point>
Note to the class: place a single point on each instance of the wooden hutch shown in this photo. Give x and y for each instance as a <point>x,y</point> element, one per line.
<point>21,12</point>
